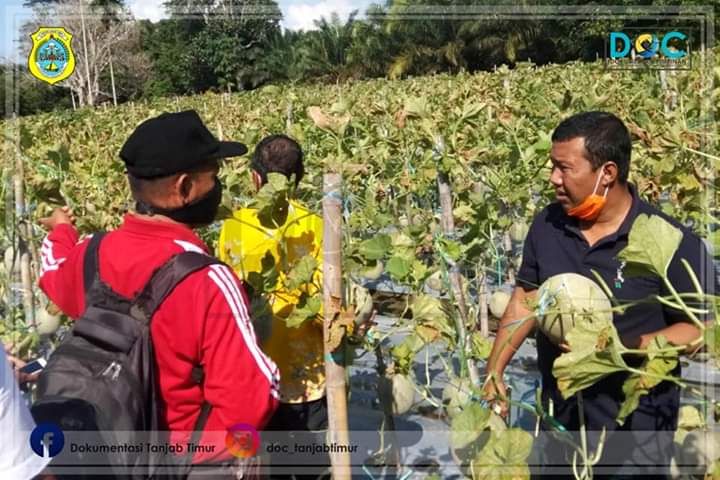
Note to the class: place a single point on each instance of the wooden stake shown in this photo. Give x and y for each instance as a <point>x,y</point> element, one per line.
<point>112,82</point>
<point>483,305</point>
<point>384,387</point>
<point>507,246</point>
<point>23,230</point>
<point>332,295</point>
<point>461,322</point>
<point>288,118</point>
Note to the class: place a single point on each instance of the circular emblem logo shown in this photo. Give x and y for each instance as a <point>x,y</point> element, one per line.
<point>242,440</point>
<point>47,440</point>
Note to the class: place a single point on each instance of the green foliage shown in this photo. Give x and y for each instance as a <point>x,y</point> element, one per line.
<point>657,365</point>
<point>272,201</point>
<point>504,456</point>
<point>651,246</point>
<point>224,49</point>
<point>266,280</point>
<point>595,353</point>
<point>307,309</point>
<point>301,273</point>
<point>376,247</point>
<point>404,352</point>
<point>468,425</point>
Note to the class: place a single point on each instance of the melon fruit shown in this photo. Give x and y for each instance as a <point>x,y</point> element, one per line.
<point>699,450</point>
<point>566,298</point>
<point>498,303</point>
<point>435,281</point>
<point>12,261</point>
<point>47,323</point>
<point>374,272</point>
<point>363,304</point>
<point>403,394</point>
<point>518,231</point>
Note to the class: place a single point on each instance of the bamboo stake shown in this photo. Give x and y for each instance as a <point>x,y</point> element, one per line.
<point>8,179</point>
<point>288,117</point>
<point>461,323</point>
<point>22,246</point>
<point>384,387</point>
<point>112,82</point>
<point>332,295</point>
<point>483,306</point>
<point>507,246</point>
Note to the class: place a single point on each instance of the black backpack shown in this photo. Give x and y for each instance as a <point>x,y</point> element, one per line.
<point>101,378</point>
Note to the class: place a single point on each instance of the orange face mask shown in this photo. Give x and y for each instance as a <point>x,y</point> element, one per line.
<point>590,208</point>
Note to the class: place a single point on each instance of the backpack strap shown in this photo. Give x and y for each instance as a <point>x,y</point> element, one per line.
<point>160,285</point>
<point>91,262</point>
<point>166,278</point>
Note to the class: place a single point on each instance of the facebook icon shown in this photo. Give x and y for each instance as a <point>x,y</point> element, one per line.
<point>47,440</point>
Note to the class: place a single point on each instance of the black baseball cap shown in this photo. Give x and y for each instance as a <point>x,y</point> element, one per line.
<point>173,143</point>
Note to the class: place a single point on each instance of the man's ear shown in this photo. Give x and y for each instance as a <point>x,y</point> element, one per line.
<point>257,179</point>
<point>610,172</point>
<point>183,186</point>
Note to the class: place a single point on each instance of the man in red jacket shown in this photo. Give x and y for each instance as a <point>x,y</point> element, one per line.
<point>172,167</point>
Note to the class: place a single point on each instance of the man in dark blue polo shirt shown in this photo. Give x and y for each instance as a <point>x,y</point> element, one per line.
<point>585,230</point>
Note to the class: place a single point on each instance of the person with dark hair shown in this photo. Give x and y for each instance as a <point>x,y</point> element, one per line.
<point>280,154</point>
<point>583,232</point>
<point>297,349</point>
<point>172,164</point>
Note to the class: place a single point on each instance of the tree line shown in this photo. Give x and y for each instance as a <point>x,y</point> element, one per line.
<point>235,45</point>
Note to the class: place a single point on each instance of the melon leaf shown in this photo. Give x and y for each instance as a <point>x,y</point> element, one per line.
<point>504,456</point>
<point>594,354</point>
<point>657,363</point>
<point>272,201</point>
<point>467,425</point>
<point>376,247</point>
<point>302,272</point>
<point>651,246</point>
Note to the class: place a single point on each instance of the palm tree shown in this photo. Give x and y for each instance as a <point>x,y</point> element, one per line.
<point>323,52</point>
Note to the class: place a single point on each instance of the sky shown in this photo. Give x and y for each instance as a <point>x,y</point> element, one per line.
<point>297,14</point>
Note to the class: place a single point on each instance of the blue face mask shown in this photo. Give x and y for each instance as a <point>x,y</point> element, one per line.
<point>199,213</point>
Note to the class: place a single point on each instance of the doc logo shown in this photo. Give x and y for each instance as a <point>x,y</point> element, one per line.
<point>647,45</point>
<point>51,58</point>
<point>47,440</point>
<point>242,440</point>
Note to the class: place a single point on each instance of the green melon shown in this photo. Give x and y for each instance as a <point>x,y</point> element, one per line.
<point>12,261</point>
<point>518,231</point>
<point>699,450</point>
<point>47,323</point>
<point>435,281</point>
<point>498,303</point>
<point>573,297</point>
<point>363,304</point>
<point>373,273</point>
<point>403,393</point>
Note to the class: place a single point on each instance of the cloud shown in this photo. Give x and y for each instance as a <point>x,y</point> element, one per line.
<point>152,10</point>
<point>300,16</point>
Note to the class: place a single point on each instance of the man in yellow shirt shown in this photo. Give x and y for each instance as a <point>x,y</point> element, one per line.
<point>244,243</point>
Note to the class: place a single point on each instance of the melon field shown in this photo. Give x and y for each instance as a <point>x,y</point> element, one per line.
<point>440,177</point>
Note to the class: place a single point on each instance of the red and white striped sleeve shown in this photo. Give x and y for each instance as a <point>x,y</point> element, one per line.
<point>61,256</point>
<point>241,382</point>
